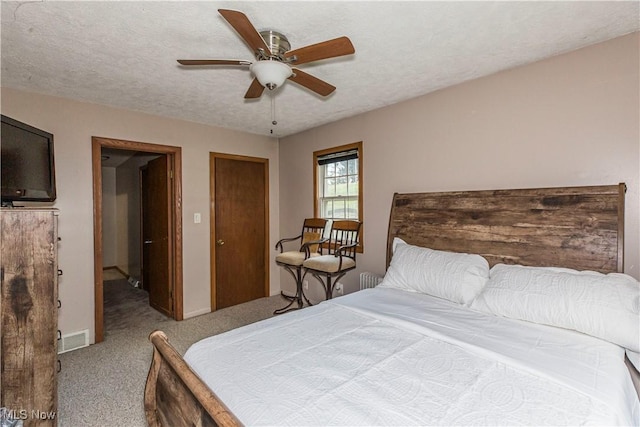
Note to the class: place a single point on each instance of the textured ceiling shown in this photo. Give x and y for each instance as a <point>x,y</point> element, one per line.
<point>124,54</point>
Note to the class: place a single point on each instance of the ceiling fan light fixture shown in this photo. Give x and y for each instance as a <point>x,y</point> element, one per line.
<point>274,58</point>
<point>270,74</point>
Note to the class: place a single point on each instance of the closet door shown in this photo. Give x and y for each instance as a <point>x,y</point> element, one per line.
<point>239,232</point>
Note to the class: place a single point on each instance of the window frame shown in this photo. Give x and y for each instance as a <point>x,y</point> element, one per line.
<point>316,206</point>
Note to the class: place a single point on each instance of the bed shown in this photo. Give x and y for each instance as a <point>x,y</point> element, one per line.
<point>446,338</point>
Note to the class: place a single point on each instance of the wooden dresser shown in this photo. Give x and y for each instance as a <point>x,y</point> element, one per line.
<point>29,320</point>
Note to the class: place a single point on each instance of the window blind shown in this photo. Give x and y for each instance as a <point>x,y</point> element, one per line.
<point>337,157</point>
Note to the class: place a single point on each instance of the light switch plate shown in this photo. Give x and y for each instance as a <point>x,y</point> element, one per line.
<point>197,218</point>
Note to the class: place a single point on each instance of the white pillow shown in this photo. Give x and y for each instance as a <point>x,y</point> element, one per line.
<point>457,277</point>
<point>606,306</point>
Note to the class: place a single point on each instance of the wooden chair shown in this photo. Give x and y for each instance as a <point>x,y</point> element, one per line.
<point>310,245</point>
<point>341,257</point>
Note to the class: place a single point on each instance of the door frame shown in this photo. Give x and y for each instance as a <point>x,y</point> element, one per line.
<point>175,158</point>
<point>212,218</point>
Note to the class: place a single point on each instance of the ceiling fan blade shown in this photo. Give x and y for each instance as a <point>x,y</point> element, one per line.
<point>312,83</point>
<point>255,90</point>
<point>327,49</point>
<point>245,28</point>
<point>213,62</point>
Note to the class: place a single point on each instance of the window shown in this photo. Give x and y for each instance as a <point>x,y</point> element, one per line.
<point>338,183</point>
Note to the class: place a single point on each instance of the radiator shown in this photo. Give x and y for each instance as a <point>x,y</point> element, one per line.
<point>369,280</point>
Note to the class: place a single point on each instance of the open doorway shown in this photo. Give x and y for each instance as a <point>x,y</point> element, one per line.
<point>156,170</point>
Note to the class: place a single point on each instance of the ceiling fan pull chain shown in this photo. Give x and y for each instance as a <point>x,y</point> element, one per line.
<point>273,112</point>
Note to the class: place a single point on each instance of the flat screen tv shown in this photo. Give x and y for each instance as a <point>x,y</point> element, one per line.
<point>27,170</point>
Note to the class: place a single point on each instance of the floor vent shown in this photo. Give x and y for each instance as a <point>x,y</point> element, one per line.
<point>369,280</point>
<point>73,341</point>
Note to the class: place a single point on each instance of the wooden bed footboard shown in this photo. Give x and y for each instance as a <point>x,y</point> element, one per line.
<point>175,396</point>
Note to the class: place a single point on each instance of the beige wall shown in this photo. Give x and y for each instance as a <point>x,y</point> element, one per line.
<point>73,124</point>
<point>569,120</point>
<point>128,227</point>
<point>128,223</point>
<point>109,218</point>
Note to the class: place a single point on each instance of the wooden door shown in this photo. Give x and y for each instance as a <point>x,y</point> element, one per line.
<point>239,234</point>
<point>156,229</point>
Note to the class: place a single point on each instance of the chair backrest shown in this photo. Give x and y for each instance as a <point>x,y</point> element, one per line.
<point>344,232</point>
<point>313,229</point>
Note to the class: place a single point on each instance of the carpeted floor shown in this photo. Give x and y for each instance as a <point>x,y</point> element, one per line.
<point>125,307</point>
<point>103,384</point>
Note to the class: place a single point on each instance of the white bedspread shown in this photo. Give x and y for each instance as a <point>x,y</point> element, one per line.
<point>390,357</point>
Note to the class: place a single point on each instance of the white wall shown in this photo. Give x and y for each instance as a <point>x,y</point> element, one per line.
<point>73,124</point>
<point>570,120</point>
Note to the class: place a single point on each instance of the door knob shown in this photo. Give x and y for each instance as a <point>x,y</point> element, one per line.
<point>146,242</point>
<point>220,242</point>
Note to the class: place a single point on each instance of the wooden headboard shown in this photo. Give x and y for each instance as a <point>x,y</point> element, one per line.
<point>573,227</point>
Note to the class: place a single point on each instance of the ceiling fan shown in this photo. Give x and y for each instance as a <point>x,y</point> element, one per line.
<point>275,61</point>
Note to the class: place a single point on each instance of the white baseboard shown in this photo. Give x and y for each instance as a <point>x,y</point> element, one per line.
<point>195,313</point>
